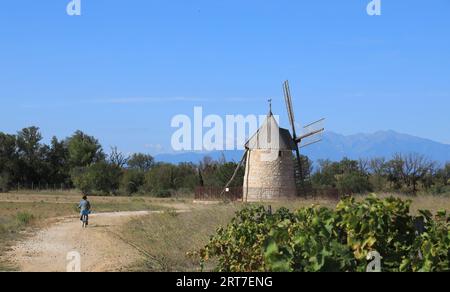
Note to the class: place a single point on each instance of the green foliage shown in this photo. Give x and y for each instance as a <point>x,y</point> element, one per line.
<point>101,177</point>
<point>84,150</point>
<point>162,193</point>
<point>25,162</point>
<point>132,181</point>
<point>320,240</point>
<point>8,159</point>
<point>353,183</point>
<point>239,245</point>
<point>4,182</point>
<point>24,218</point>
<point>140,161</point>
<point>163,178</point>
<point>347,177</point>
<point>225,171</point>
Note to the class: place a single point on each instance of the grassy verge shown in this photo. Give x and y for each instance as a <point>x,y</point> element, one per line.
<point>166,238</point>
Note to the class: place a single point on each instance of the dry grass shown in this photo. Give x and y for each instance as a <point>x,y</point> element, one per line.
<point>419,202</point>
<point>24,212</point>
<point>164,238</point>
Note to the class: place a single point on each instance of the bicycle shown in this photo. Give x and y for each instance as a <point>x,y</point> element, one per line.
<point>84,220</point>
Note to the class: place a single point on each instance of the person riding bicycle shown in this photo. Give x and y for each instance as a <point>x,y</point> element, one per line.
<point>85,208</point>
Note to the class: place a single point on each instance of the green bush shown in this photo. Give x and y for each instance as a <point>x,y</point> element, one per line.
<point>320,239</point>
<point>4,182</point>
<point>353,183</point>
<point>132,181</point>
<point>440,189</point>
<point>162,193</point>
<point>101,177</point>
<point>24,218</point>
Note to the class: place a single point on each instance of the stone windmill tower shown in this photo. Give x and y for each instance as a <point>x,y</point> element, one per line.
<point>272,172</point>
<point>269,166</point>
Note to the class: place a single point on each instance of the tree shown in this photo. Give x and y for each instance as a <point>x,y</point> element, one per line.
<point>132,181</point>
<point>378,166</point>
<point>306,164</point>
<point>378,173</point>
<point>83,150</point>
<point>101,177</point>
<point>140,161</point>
<point>225,171</point>
<point>8,159</point>
<point>325,176</point>
<point>185,176</point>
<point>160,179</point>
<point>28,142</point>
<point>117,158</point>
<point>31,155</point>
<point>353,183</point>
<point>394,169</point>
<point>364,166</point>
<point>208,169</point>
<point>348,166</point>
<point>57,158</point>
<point>347,176</point>
<point>409,169</point>
<point>447,173</point>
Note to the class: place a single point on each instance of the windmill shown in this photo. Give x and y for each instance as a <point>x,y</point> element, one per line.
<point>311,136</point>
<point>270,171</point>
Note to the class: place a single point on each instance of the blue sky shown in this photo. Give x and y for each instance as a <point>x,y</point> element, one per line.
<point>123,69</point>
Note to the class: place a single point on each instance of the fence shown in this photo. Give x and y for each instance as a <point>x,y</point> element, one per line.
<point>40,187</point>
<point>329,194</point>
<point>236,194</point>
<point>215,194</point>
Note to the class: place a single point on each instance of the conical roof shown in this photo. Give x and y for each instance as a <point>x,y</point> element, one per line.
<point>271,137</point>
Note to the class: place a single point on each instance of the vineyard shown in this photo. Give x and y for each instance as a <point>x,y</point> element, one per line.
<point>317,239</point>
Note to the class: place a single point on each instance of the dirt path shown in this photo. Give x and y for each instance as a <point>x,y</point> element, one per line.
<point>100,247</point>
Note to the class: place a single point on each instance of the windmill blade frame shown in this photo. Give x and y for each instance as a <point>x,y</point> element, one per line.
<point>289,107</point>
<point>290,111</point>
<point>310,143</point>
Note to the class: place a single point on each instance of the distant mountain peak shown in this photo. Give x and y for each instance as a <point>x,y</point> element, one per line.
<point>335,146</point>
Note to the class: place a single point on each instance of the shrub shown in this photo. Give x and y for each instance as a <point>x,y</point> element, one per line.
<point>24,218</point>
<point>321,239</point>
<point>131,181</point>
<point>162,193</point>
<point>4,182</point>
<point>101,177</point>
<point>353,183</point>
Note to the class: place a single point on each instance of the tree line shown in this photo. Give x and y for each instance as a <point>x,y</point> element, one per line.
<point>404,173</point>
<point>79,161</point>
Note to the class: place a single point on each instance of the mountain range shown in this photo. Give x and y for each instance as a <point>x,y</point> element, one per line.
<point>336,146</point>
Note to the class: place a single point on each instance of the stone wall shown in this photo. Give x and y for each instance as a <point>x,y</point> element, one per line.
<point>269,180</point>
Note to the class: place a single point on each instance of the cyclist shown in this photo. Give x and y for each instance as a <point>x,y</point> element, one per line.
<point>85,208</point>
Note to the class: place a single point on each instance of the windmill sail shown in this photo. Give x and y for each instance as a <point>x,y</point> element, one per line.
<point>299,172</point>
<point>312,134</point>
